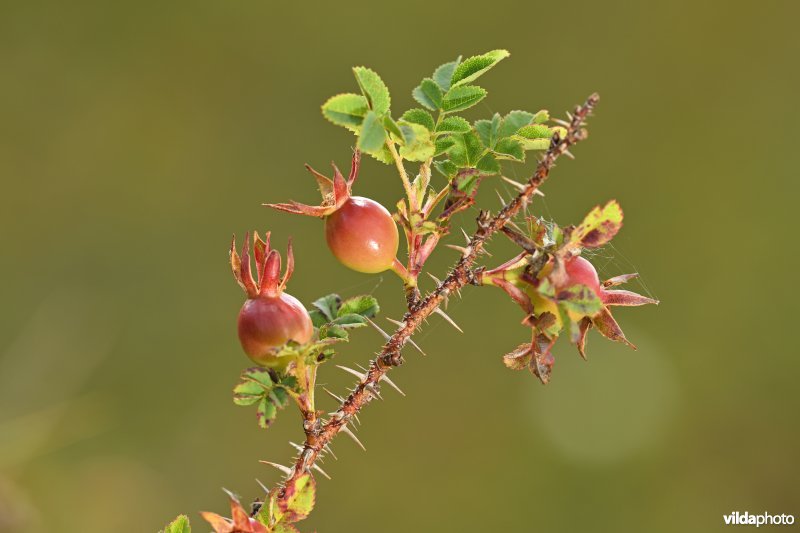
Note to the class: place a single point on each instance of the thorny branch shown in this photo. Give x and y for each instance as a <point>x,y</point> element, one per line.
<point>318,437</point>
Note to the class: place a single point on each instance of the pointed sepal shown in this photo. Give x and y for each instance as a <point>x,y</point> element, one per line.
<point>335,192</point>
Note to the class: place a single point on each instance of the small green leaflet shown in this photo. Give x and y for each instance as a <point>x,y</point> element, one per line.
<point>537,136</point>
<point>328,305</point>
<point>473,67</point>
<point>374,89</point>
<point>373,135</point>
<point>360,305</point>
<point>444,74</point>
<point>462,97</point>
<point>346,110</point>
<point>419,146</point>
<point>299,500</point>
<point>509,149</point>
<point>179,525</point>
<point>419,116</point>
<point>466,150</point>
<point>428,94</point>
<point>513,122</point>
<point>446,167</point>
<point>488,130</point>
<point>453,125</point>
<point>599,226</point>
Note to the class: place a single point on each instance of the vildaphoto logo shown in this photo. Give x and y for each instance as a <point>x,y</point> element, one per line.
<point>746,519</point>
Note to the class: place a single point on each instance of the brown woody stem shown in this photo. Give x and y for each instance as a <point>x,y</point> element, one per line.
<point>460,275</point>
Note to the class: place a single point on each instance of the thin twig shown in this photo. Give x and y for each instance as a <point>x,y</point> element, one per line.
<point>459,276</point>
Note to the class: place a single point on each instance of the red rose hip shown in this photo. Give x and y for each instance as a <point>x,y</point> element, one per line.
<point>362,235</point>
<point>270,317</point>
<point>360,232</point>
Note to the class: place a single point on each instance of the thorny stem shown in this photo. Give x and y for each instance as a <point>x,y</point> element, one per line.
<point>460,275</point>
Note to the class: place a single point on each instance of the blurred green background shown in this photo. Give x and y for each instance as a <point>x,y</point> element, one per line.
<point>136,137</point>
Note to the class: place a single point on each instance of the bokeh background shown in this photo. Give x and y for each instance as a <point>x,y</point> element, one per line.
<point>136,137</point>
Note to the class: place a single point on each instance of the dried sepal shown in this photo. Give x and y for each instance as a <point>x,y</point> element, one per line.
<point>335,192</point>
<point>609,328</point>
<point>268,279</point>
<point>583,328</point>
<point>240,521</point>
<point>626,298</point>
<point>519,358</point>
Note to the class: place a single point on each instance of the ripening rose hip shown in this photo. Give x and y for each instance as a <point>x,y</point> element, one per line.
<point>362,235</point>
<point>270,317</point>
<point>360,232</point>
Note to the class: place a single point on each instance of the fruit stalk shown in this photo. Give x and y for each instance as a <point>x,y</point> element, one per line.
<point>460,275</point>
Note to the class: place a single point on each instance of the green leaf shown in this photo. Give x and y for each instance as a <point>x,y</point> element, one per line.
<point>453,125</point>
<point>513,122</point>
<point>258,375</point>
<point>580,300</point>
<point>488,164</point>
<point>179,525</point>
<point>334,331</point>
<point>428,94</point>
<point>467,150</point>
<point>541,117</point>
<point>462,97</point>
<point>391,126</point>
<point>346,110</point>
<point>383,155</point>
<point>280,396</point>
<point>509,149</point>
<point>535,131</point>
<point>372,136</point>
<point>442,144</point>
<point>419,116</point>
<point>248,393</point>
<point>266,413</point>
<point>446,167</point>
<point>360,305</point>
<point>299,499</point>
<point>487,130</point>
<point>467,181</point>
<point>444,73</point>
<point>599,226</point>
<point>329,305</point>
<point>374,89</point>
<point>535,136</point>
<point>473,67</point>
<point>350,320</point>
<point>317,318</point>
<point>419,145</point>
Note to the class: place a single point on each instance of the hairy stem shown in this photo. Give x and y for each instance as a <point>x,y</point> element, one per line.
<point>460,275</point>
